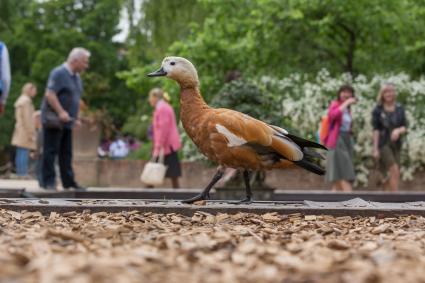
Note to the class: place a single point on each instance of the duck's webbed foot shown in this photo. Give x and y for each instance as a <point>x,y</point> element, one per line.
<point>199,197</point>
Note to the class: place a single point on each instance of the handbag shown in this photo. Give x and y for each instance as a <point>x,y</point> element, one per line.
<point>154,172</point>
<point>51,119</point>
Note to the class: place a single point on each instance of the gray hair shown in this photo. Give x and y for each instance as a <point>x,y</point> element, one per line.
<point>78,52</point>
<point>156,92</point>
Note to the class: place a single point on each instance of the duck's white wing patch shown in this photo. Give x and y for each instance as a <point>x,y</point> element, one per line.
<point>279,129</point>
<point>233,140</point>
<point>295,153</point>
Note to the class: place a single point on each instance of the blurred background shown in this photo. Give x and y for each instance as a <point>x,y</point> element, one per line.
<point>289,57</point>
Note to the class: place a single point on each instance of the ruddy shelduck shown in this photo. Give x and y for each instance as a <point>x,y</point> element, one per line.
<point>233,139</point>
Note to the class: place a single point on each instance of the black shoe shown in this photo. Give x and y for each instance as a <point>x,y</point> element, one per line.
<point>76,187</point>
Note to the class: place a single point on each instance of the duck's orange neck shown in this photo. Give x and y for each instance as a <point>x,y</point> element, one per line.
<point>191,97</point>
<point>192,107</point>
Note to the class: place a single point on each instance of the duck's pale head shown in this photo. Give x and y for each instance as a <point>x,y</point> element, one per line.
<point>178,69</point>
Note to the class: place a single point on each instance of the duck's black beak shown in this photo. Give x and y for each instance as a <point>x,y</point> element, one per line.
<point>158,73</point>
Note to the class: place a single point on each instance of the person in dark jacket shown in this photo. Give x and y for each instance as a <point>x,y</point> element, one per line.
<point>389,124</point>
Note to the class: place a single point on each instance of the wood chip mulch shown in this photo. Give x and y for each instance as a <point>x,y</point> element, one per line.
<point>148,247</point>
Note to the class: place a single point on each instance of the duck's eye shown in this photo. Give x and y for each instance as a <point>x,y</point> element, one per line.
<point>172,63</point>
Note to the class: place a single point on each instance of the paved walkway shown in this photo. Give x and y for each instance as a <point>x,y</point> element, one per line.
<point>32,186</point>
<point>28,185</point>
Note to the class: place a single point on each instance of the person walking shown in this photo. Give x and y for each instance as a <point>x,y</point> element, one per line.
<point>166,138</point>
<point>389,124</point>
<point>24,134</point>
<point>5,77</point>
<point>59,114</point>
<point>339,162</point>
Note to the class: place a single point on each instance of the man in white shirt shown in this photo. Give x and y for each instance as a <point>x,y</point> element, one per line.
<point>5,77</point>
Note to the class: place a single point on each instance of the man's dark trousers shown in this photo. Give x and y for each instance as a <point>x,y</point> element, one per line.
<point>57,142</point>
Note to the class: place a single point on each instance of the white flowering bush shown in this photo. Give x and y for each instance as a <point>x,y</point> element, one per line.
<point>305,100</point>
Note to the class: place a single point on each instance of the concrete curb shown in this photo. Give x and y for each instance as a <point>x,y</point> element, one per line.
<point>354,207</point>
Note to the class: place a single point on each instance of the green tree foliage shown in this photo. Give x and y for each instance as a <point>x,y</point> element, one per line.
<point>162,23</point>
<point>245,97</point>
<point>280,37</point>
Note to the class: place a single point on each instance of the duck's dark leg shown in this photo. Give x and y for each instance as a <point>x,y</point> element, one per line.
<point>205,194</point>
<point>248,198</point>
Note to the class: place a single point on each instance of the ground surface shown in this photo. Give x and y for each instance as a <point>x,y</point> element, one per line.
<point>136,247</point>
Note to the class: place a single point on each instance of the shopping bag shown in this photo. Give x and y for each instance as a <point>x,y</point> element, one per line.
<point>154,172</point>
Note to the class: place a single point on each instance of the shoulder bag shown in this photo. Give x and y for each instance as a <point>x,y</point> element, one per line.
<point>51,118</point>
<point>154,172</point>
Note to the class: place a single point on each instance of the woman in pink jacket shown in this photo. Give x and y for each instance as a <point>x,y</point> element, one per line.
<point>339,165</point>
<point>166,137</point>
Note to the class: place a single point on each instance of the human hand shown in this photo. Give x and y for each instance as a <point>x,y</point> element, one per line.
<point>33,155</point>
<point>78,123</point>
<point>351,100</point>
<point>64,116</point>
<point>395,135</point>
<point>155,155</point>
<point>375,153</point>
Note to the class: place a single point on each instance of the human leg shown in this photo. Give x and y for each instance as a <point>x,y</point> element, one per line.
<point>336,186</point>
<point>21,160</point>
<point>51,141</point>
<point>346,186</point>
<point>39,171</point>
<point>175,182</point>
<point>394,177</point>
<point>389,160</point>
<point>65,159</point>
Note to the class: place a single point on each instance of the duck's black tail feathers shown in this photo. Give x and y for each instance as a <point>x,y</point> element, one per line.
<point>310,166</point>
<point>305,143</point>
<point>308,162</point>
<point>310,155</point>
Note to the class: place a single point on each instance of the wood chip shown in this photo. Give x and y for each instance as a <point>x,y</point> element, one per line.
<point>203,247</point>
<point>380,229</point>
<point>338,244</point>
<point>200,202</point>
<point>310,217</point>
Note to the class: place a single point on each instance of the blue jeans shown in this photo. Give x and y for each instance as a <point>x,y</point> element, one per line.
<point>21,160</point>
